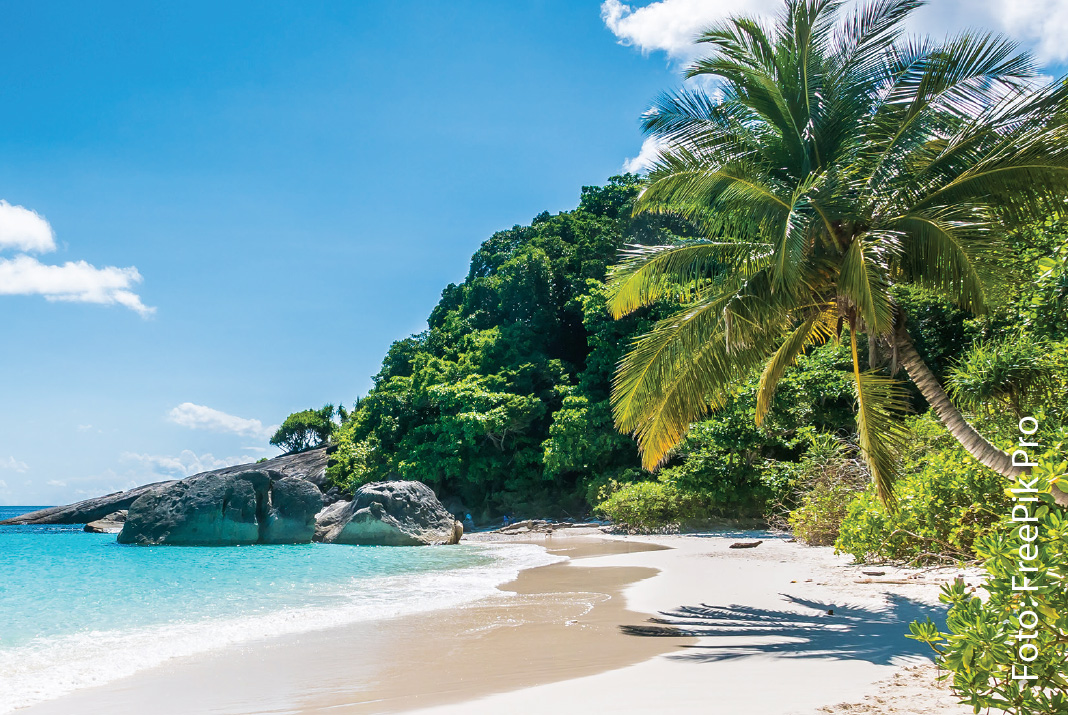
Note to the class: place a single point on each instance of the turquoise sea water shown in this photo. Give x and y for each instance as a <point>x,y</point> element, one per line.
<point>79,609</point>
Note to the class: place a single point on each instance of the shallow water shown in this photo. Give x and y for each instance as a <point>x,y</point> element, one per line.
<point>79,609</point>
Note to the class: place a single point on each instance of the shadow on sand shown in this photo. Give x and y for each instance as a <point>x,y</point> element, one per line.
<point>811,629</point>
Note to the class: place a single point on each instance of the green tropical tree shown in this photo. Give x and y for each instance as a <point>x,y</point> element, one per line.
<point>305,429</point>
<point>828,160</point>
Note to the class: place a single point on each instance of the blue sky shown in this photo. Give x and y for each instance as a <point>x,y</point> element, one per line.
<point>255,199</point>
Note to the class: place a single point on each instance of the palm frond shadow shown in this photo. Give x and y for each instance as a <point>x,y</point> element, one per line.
<point>850,632</point>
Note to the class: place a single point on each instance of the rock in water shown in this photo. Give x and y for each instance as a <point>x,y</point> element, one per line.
<point>389,514</point>
<point>309,466</point>
<point>249,507</point>
<point>110,524</point>
<point>294,503</point>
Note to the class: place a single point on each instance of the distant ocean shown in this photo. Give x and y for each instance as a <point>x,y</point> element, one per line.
<point>79,610</point>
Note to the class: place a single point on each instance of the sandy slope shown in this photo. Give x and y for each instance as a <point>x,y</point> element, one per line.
<point>781,629</point>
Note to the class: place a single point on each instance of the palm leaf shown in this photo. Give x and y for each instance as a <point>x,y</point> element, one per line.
<point>881,403</point>
<point>647,274</point>
<point>815,330</point>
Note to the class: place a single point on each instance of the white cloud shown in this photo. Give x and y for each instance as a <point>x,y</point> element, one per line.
<point>644,161</point>
<point>24,230</point>
<point>55,483</point>
<point>1041,24</point>
<point>13,464</point>
<point>670,26</point>
<point>185,464</point>
<point>200,417</point>
<point>77,282</point>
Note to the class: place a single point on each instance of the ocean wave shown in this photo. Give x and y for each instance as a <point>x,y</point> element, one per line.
<point>47,668</point>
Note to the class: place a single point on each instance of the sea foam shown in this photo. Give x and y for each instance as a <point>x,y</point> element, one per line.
<point>81,654</point>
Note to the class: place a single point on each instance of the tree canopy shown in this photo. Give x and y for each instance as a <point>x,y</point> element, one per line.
<point>835,162</point>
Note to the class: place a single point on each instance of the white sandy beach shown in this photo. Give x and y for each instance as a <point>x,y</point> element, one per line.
<point>781,629</point>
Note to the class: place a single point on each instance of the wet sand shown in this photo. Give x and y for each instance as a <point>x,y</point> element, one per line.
<point>552,623</point>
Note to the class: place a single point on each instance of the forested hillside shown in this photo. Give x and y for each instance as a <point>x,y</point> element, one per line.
<point>501,404</point>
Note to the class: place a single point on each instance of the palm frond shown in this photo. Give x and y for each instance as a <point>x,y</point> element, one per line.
<point>864,281</point>
<point>647,274</point>
<point>881,403</point>
<point>814,330</point>
<point>943,255</point>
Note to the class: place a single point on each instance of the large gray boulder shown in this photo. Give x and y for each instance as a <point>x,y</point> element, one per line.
<point>86,511</point>
<point>389,514</point>
<point>309,466</point>
<point>293,504</point>
<point>212,509</point>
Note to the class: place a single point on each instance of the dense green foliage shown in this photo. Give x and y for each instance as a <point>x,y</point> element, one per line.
<point>652,505</point>
<point>306,429</point>
<point>732,467</point>
<point>1017,366</point>
<point>946,500</point>
<point>1012,632</point>
<point>500,405</point>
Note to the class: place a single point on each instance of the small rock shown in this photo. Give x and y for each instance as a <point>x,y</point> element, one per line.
<point>745,544</point>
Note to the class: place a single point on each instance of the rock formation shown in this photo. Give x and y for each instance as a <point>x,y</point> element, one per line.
<point>110,524</point>
<point>309,466</point>
<point>389,514</point>
<point>260,506</point>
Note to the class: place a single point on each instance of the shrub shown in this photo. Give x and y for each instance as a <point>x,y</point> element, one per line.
<point>646,506</point>
<point>1015,372</point>
<point>944,505</point>
<point>829,476</point>
<point>990,640</point>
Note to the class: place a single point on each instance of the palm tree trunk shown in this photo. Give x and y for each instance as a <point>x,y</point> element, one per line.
<point>954,422</point>
<point>947,412</point>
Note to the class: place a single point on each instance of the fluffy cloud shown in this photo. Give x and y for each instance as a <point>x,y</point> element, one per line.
<point>74,282</point>
<point>185,464</point>
<point>670,26</point>
<point>200,417</point>
<point>13,464</point>
<point>1041,24</point>
<point>644,161</point>
<point>24,230</point>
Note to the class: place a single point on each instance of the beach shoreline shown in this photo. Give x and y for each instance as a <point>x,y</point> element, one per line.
<point>577,635</point>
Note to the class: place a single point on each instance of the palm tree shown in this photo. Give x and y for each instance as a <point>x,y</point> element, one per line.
<point>828,160</point>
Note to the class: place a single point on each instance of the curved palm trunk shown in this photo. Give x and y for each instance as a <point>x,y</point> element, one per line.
<point>947,412</point>
<point>954,422</point>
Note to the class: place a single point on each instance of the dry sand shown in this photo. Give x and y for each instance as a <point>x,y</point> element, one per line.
<point>625,625</point>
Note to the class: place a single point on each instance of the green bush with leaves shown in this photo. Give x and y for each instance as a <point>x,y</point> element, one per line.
<point>305,429</point>
<point>946,500</point>
<point>992,642</point>
<point>648,506</point>
<point>828,477</point>
<point>1014,372</point>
